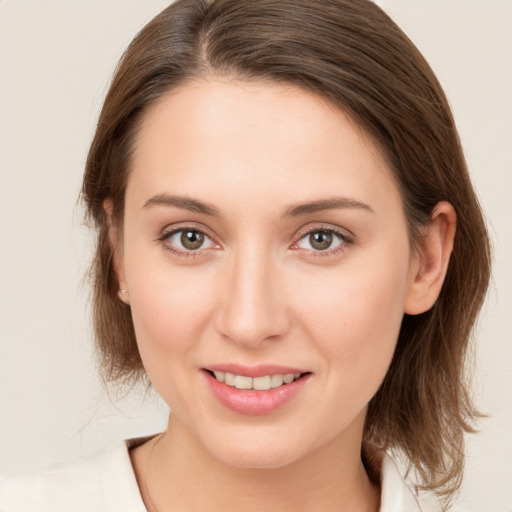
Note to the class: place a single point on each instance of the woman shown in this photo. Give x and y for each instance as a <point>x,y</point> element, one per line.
<point>291,253</point>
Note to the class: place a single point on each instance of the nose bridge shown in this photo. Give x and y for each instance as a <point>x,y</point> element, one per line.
<point>253,308</point>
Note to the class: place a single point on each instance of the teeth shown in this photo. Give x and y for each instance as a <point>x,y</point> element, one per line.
<point>242,382</point>
<point>288,378</point>
<point>277,380</point>
<point>219,376</point>
<point>229,379</point>
<point>262,383</point>
<point>257,383</point>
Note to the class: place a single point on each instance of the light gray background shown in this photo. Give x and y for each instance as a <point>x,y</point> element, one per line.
<point>56,58</point>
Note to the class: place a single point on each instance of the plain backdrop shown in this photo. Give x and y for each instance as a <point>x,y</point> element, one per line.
<point>56,59</point>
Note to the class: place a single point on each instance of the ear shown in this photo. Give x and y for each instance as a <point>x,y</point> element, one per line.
<point>430,263</point>
<point>117,250</point>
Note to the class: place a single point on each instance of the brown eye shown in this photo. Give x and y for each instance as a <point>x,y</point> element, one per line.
<point>186,241</point>
<point>191,240</point>
<point>320,240</point>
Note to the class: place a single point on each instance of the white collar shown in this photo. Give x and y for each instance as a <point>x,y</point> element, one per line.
<point>397,495</point>
<point>106,482</point>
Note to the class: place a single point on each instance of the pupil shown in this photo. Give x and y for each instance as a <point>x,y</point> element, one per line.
<point>192,239</point>
<point>320,240</point>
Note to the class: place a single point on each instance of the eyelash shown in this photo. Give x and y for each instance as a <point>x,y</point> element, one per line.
<point>344,241</point>
<point>187,254</point>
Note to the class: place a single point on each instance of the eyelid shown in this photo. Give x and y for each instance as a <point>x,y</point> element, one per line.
<point>171,230</point>
<point>347,238</point>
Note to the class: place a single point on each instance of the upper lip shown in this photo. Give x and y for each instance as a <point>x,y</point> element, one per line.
<point>254,371</point>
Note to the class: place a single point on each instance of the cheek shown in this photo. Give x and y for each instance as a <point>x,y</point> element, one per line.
<point>168,304</point>
<point>354,315</point>
<point>169,318</point>
<point>170,309</point>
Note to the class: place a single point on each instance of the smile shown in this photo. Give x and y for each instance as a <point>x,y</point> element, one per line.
<point>263,383</point>
<point>255,390</point>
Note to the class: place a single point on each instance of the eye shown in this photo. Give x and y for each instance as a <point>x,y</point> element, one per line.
<point>186,240</point>
<point>322,240</point>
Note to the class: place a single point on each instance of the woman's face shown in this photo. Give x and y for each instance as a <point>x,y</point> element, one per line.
<point>263,237</point>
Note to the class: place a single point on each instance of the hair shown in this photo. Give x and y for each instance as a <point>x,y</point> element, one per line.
<point>352,54</point>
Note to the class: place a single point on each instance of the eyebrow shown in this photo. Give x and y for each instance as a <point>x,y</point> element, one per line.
<point>325,204</point>
<point>194,205</point>
<point>186,203</point>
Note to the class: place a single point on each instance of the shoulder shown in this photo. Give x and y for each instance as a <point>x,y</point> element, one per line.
<point>398,494</point>
<point>101,482</point>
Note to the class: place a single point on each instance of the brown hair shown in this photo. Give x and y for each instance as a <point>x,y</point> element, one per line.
<point>351,53</point>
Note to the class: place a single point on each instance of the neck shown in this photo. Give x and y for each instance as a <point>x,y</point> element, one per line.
<point>173,467</point>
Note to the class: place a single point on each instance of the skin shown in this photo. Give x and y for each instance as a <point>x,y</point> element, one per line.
<point>259,292</point>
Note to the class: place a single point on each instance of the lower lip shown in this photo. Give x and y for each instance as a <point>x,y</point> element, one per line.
<point>251,402</point>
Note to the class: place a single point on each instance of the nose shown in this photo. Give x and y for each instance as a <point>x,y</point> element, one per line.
<point>253,307</point>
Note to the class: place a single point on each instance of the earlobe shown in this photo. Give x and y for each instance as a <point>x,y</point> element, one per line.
<point>430,263</point>
<point>117,256</point>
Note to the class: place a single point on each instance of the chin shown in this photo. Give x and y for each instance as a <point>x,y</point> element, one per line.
<point>258,459</point>
<point>251,452</point>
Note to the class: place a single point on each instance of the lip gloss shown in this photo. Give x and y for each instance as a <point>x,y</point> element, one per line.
<point>249,401</point>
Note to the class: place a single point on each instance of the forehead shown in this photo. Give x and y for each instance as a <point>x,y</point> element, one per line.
<point>222,135</point>
<point>284,112</point>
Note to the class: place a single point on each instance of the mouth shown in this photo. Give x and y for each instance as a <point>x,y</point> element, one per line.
<point>257,390</point>
<point>262,383</point>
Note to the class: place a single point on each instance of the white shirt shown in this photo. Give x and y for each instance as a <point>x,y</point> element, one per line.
<point>106,483</point>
